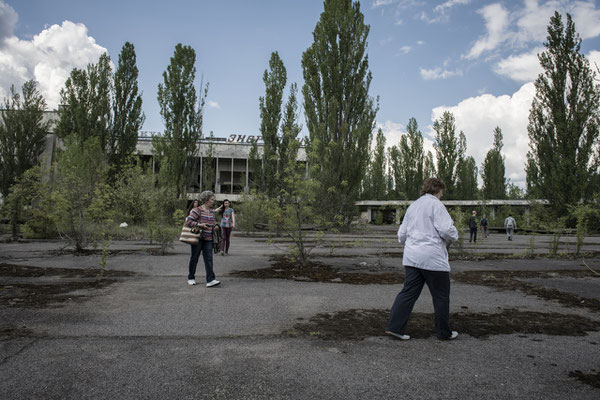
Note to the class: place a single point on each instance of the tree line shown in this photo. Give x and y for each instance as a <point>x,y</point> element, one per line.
<point>97,178</point>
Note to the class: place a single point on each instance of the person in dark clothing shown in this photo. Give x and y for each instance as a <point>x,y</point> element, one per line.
<point>473,227</point>
<point>484,226</point>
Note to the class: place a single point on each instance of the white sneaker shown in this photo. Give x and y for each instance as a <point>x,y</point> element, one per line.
<point>212,283</point>
<point>453,335</point>
<point>397,335</point>
<point>191,282</point>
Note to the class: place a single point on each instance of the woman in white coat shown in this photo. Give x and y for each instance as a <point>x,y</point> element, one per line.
<point>425,230</point>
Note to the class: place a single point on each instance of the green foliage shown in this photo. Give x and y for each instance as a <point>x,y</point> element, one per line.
<point>563,161</point>
<point>375,181</point>
<point>557,227</point>
<point>86,98</point>
<point>583,214</point>
<point>134,188</point>
<point>466,172</point>
<point>294,208</point>
<point>447,152</point>
<point>460,222</point>
<point>80,197</point>
<point>249,211</point>
<point>408,163</point>
<point>493,170</point>
<point>182,114</point>
<point>21,195</point>
<point>22,133</point>
<point>208,167</point>
<point>340,114</point>
<point>270,116</point>
<point>128,117</point>
<point>514,192</point>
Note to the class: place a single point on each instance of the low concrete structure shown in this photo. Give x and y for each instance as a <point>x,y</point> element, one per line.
<point>395,208</point>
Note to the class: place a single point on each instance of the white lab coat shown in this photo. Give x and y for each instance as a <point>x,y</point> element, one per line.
<point>426,228</point>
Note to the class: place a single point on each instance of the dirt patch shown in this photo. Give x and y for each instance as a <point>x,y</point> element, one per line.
<point>359,324</point>
<point>283,268</point>
<point>592,378</point>
<point>38,287</point>
<point>509,280</point>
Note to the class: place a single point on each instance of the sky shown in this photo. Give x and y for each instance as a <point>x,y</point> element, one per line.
<point>475,58</point>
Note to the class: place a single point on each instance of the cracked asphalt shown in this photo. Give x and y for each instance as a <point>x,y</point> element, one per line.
<point>151,336</point>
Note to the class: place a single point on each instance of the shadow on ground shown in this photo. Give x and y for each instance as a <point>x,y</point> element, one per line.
<point>358,324</point>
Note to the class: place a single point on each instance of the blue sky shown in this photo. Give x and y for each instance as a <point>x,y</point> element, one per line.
<point>474,58</point>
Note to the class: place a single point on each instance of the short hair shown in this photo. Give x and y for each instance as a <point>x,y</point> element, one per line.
<point>205,196</point>
<point>432,186</point>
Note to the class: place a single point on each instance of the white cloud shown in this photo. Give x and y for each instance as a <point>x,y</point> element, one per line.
<point>440,11</point>
<point>594,58</point>
<point>496,22</point>
<point>526,67</point>
<point>8,21</point>
<point>449,4</point>
<point>478,116</point>
<point>529,24</point>
<point>213,104</point>
<point>522,67</point>
<point>48,58</point>
<point>587,19</point>
<point>380,3</point>
<point>405,49</point>
<point>438,73</point>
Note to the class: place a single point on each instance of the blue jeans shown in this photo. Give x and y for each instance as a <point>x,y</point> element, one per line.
<point>206,248</point>
<point>438,283</point>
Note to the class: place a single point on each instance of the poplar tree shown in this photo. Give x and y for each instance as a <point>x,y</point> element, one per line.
<point>270,115</point>
<point>128,117</point>
<point>412,156</point>
<point>375,185</point>
<point>563,160</point>
<point>290,128</point>
<point>493,170</point>
<point>428,168</point>
<point>340,114</point>
<point>181,109</point>
<point>22,133</point>
<point>447,152</point>
<point>466,172</point>
<point>85,110</point>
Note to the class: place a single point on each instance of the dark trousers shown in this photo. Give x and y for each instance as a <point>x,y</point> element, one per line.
<point>438,283</point>
<point>226,239</point>
<point>473,236</point>
<point>484,231</point>
<point>206,248</point>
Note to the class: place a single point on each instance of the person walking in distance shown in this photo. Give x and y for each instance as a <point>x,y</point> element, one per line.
<point>426,228</point>
<point>511,225</point>
<point>227,225</point>
<point>473,227</point>
<point>484,226</point>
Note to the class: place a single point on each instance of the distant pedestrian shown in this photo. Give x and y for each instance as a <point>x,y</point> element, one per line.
<point>227,225</point>
<point>484,226</point>
<point>426,228</point>
<point>203,217</point>
<point>473,227</point>
<point>511,225</point>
